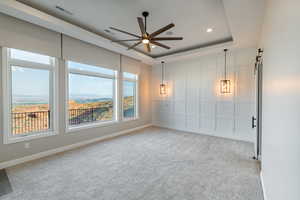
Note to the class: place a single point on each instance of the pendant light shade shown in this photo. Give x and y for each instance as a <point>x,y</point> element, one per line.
<point>225,86</point>
<point>162,87</point>
<point>225,83</point>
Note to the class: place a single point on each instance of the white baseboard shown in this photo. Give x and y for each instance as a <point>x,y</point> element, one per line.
<point>263,186</point>
<point>11,163</point>
<point>207,133</point>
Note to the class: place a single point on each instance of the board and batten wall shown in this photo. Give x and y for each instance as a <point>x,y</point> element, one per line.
<point>194,102</point>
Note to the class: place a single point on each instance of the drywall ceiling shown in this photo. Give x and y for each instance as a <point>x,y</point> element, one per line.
<point>236,24</point>
<point>191,18</point>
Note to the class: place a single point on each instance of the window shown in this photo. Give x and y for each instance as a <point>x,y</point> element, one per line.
<point>29,88</point>
<point>91,94</point>
<point>130,88</point>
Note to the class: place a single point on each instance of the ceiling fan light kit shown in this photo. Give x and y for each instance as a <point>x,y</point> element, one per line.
<point>145,41</point>
<point>146,38</point>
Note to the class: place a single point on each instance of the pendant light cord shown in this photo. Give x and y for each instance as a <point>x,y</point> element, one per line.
<point>225,50</point>
<point>61,46</point>
<point>162,71</point>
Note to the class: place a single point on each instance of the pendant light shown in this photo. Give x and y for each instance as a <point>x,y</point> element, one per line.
<point>163,87</point>
<point>225,83</point>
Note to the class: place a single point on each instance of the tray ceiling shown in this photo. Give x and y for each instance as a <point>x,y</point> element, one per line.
<point>192,18</point>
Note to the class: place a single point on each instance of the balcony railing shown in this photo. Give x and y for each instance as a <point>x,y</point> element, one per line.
<point>85,115</point>
<point>27,122</point>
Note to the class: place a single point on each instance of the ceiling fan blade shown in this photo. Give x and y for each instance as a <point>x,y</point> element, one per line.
<point>131,47</point>
<point>147,47</point>
<point>160,44</point>
<point>126,40</point>
<point>125,32</point>
<point>167,38</point>
<point>162,30</point>
<point>142,26</point>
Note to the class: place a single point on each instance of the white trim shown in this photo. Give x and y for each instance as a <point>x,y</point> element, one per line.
<point>263,186</point>
<point>94,74</point>
<point>66,93</point>
<point>29,64</point>
<point>130,119</point>
<point>54,115</point>
<point>7,65</point>
<point>95,124</point>
<point>114,78</point>
<point>116,97</point>
<point>136,97</point>
<point>5,89</point>
<point>31,136</point>
<point>130,79</point>
<point>11,163</point>
<point>211,133</point>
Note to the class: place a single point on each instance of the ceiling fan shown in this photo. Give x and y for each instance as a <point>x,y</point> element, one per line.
<point>145,37</point>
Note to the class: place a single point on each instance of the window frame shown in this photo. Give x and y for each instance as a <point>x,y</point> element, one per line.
<point>95,124</point>
<point>7,63</point>
<point>136,97</point>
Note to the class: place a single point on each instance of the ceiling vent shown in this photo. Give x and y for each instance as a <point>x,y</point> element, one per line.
<point>63,10</point>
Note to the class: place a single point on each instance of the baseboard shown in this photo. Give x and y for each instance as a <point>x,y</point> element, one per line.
<point>263,186</point>
<point>67,148</point>
<point>202,133</point>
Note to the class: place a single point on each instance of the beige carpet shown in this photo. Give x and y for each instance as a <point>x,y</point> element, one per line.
<point>154,163</point>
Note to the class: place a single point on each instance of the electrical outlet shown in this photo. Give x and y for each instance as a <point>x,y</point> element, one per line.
<point>27,145</point>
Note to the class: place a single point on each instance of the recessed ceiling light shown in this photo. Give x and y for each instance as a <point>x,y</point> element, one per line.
<point>209,30</point>
<point>153,46</point>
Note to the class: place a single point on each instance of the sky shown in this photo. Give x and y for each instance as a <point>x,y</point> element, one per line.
<point>35,82</point>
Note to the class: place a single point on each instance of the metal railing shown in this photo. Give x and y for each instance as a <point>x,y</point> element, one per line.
<point>85,115</point>
<point>27,122</point>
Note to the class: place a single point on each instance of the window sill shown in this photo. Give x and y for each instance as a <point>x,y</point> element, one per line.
<point>130,119</point>
<point>89,126</point>
<point>17,139</point>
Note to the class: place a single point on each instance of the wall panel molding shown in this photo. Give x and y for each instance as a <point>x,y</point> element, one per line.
<point>194,102</point>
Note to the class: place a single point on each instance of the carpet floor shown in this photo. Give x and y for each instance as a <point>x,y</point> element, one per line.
<point>150,164</point>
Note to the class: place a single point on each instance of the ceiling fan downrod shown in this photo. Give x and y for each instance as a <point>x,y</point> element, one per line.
<point>145,14</point>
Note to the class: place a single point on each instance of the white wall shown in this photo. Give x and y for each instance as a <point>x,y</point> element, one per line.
<point>17,150</point>
<point>194,102</point>
<point>47,44</point>
<point>281,100</point>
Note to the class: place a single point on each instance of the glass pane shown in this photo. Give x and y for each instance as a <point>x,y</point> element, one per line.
<point>129,75</point>
<point>30,100</point>
<point>84,67</point>
<point>129,99</point>
<point>28,56</point>
<point>90,99</point>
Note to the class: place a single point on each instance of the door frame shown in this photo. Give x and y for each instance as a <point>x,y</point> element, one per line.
<point>258,118</point>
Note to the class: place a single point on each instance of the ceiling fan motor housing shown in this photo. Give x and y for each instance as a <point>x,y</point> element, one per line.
<point>147,38</point>
<point>145,14</point>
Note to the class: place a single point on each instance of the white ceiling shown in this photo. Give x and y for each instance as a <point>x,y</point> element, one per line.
<point>241,18</point>
<point>191,19</point>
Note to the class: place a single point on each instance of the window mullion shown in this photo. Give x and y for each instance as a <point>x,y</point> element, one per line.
<point>28,64</point>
